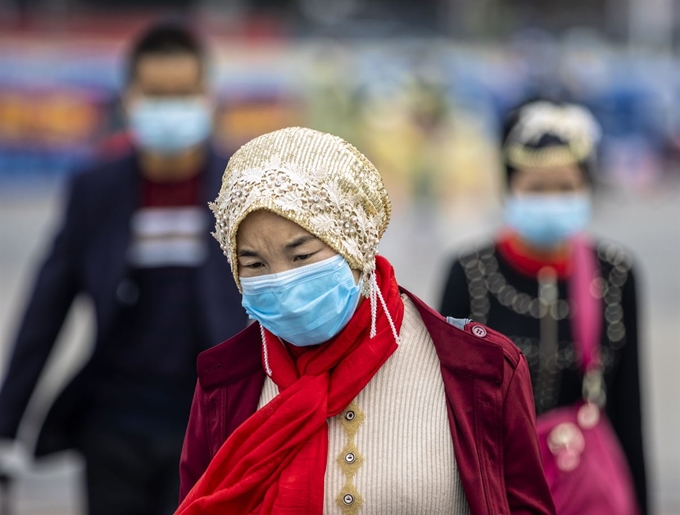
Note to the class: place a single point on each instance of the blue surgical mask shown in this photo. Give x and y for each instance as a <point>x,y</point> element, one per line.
<point>304,306</point>
<point>170,125</point>
<point>546,220</point>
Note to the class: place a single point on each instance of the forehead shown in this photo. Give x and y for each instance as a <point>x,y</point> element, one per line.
<point>263,225</point>
<point>570,173</point>
<point>168,72</point>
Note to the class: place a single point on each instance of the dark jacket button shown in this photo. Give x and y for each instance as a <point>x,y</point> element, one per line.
<point>127,292</point>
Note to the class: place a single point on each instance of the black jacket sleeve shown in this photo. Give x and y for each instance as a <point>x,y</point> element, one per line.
<point>624,399</point>
<point>54,289</point>
<point>455,300</point>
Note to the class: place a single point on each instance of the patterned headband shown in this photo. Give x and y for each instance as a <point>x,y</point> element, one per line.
<point>571,123</point>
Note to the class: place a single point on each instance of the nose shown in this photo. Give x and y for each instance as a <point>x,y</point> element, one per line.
<point>277,269</point>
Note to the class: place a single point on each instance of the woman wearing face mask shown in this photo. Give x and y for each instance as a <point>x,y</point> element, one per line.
<point>348,394</point>
<point>529,283</point>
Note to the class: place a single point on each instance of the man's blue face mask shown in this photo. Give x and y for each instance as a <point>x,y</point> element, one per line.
<point>546,220</point>
<point>170,125</point>
<point>304,306</point>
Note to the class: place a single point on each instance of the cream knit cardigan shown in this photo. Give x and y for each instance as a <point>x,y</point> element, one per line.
<point>390,452</point>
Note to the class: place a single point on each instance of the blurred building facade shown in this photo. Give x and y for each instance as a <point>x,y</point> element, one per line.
<point>640,21</point>
<point>422,93</point>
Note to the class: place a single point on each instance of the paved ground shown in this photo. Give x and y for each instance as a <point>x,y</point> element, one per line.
<point>419,243</point>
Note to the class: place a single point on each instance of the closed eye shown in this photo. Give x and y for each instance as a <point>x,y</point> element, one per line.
<point>536,188</point>
<point>303,257</point>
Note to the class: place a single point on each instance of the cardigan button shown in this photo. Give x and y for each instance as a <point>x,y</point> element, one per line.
<point>350,457</point>
<point>350,415</point>
<point>348,499</point>
<point>479,331</point>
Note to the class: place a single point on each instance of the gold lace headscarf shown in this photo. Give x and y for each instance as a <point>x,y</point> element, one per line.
<point>319,181</point>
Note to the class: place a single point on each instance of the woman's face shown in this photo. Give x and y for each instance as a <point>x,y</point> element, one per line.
<point>558,179</point>
<point>269,244</point>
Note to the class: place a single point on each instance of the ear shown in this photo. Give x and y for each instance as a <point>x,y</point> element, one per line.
<point>357,276</point>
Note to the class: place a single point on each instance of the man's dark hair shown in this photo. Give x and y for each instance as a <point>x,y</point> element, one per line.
<point>164,38</point>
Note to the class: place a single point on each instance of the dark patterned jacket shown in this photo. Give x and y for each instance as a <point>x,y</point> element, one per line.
<point>484,286</point>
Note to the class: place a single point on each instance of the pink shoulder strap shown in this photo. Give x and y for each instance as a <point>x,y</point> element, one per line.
<point>586,301</point>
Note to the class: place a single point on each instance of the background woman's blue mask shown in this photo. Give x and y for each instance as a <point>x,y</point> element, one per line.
<point>170,125</point>
<point>304,306</point>
<point>546,220</point>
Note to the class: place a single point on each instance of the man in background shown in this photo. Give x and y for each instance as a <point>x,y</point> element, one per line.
<point>135,239</point>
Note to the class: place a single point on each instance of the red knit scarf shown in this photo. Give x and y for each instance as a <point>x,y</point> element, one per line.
<point>275,462</point>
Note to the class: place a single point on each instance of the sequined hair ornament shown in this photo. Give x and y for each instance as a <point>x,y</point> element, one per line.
<point>319,181</point>
<point>572,124</point>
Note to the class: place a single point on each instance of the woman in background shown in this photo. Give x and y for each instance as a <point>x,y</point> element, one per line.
<point>521,283</point>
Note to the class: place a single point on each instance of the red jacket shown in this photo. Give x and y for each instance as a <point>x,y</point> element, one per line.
<point>489,400</point>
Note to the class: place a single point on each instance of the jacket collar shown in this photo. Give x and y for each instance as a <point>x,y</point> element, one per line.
<point>231,360</point>
<point>471,356</point>
<point>131,178</point>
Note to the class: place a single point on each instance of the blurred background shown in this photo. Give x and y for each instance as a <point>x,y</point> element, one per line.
<point>420,87</point>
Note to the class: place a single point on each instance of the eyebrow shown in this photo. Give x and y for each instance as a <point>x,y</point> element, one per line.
<point>296,243</point>
<point>290,246</point>
<point>247,253</point>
